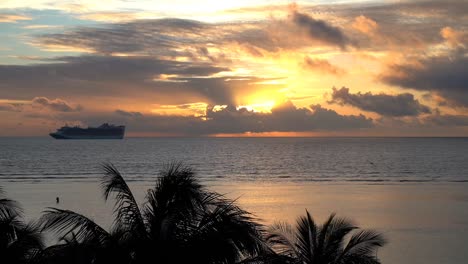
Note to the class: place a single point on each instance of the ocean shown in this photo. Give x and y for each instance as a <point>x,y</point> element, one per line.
<point>414,190</point>
<point>368,160</point>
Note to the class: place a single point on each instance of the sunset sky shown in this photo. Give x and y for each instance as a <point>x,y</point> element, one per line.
<point>235,68</point>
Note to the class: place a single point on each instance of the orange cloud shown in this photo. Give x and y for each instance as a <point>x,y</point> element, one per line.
<point>118,16</point>
<point>453,37</point>
<point>13,18</point>
<point>57,105</point>
<point>42,26</point>
<point>365,25</point>
<point>322,65</point>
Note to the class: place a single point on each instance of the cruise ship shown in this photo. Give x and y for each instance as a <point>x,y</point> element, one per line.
<point>104,131</point>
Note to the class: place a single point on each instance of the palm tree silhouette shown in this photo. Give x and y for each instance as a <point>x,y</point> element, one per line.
<point>180,222</point>
<point>19,242</point>
<point>337,241</point>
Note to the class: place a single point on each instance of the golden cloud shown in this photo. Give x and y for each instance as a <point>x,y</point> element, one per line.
<point>365,25</point>
<point>13,18</point>
<point>453,37</point>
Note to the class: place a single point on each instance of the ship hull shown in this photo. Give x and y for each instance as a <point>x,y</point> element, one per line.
<point>58,136</point>
<point>104,131</point>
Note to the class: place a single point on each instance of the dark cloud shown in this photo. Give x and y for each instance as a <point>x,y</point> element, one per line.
<point>124,77</point>
<point>158,37</point>
<point>387,105</point>
<point>284,118</point>
<point>406,24</point>
<point>41,103</point>
<point>447,120</point>
<point>150,81</point>
<point>105,68</point>
<point>5,107</point>
<point>170,38</point>
<point>320,30</point>
<point>445,75</point>
<point>221,90</point>
<point>409,24</point>
<point>322,66</point>
<point>388,25</point>
<point>203,51</point>
<point>403,24</point>
<point>58,105</point>
<point>128,114</point>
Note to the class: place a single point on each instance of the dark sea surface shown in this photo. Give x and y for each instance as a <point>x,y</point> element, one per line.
<point>368,160</point>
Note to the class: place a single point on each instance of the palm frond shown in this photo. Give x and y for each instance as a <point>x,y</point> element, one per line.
<point>323,232</point>
<point>176,196</point>
<point>281,237</point>
<point>364,243</point>
<point>126,208</point>
<point>65,222</point>
<point>70,252</point>
<point>9,208</point>
<point>9,223</point>
<point>28,242</point>
<point>225,234</point>
<point>326,243</point>
<point>337,231</point>
<point>307,234</point>
<point>359,259</point>
<point>269,258</point>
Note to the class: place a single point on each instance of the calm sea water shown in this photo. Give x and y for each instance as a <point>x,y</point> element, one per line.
<point>384,160</point>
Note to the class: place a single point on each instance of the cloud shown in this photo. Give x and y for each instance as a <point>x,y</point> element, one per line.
<point>13,18</point>
<point>447,120</point>
<point>322,66</point>
<point>453,37</point>
<point>408,25</point>
<point>130,79</point>
<point>128,114</point>
<point>39,26</point>
<point>41,103</point>
<point>403,23</point>
<point>317,118</point>
<point>385,26</point>
<point>101,76</point>
<point>387,105</point>
<point>5,107</point>
<point>109,16</point>
<point>320,30</point>
<point>158,38</point>
<point>445,75</point>
<point>183,38</point>
<point>230,120</point>
<point>57,105</point>
<point>365,25</point>
<point>283,118</point>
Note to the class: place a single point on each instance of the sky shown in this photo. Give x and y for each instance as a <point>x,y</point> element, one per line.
<point>235,68</point>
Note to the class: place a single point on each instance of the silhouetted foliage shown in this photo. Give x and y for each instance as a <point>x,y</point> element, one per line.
<point>180,222</point>
<point>19,242</point>
<point>337,241</point>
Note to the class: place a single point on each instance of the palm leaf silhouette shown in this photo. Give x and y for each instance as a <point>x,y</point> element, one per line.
<point>19,241</point>
<point>179,216</point>
<point>336,241</point>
